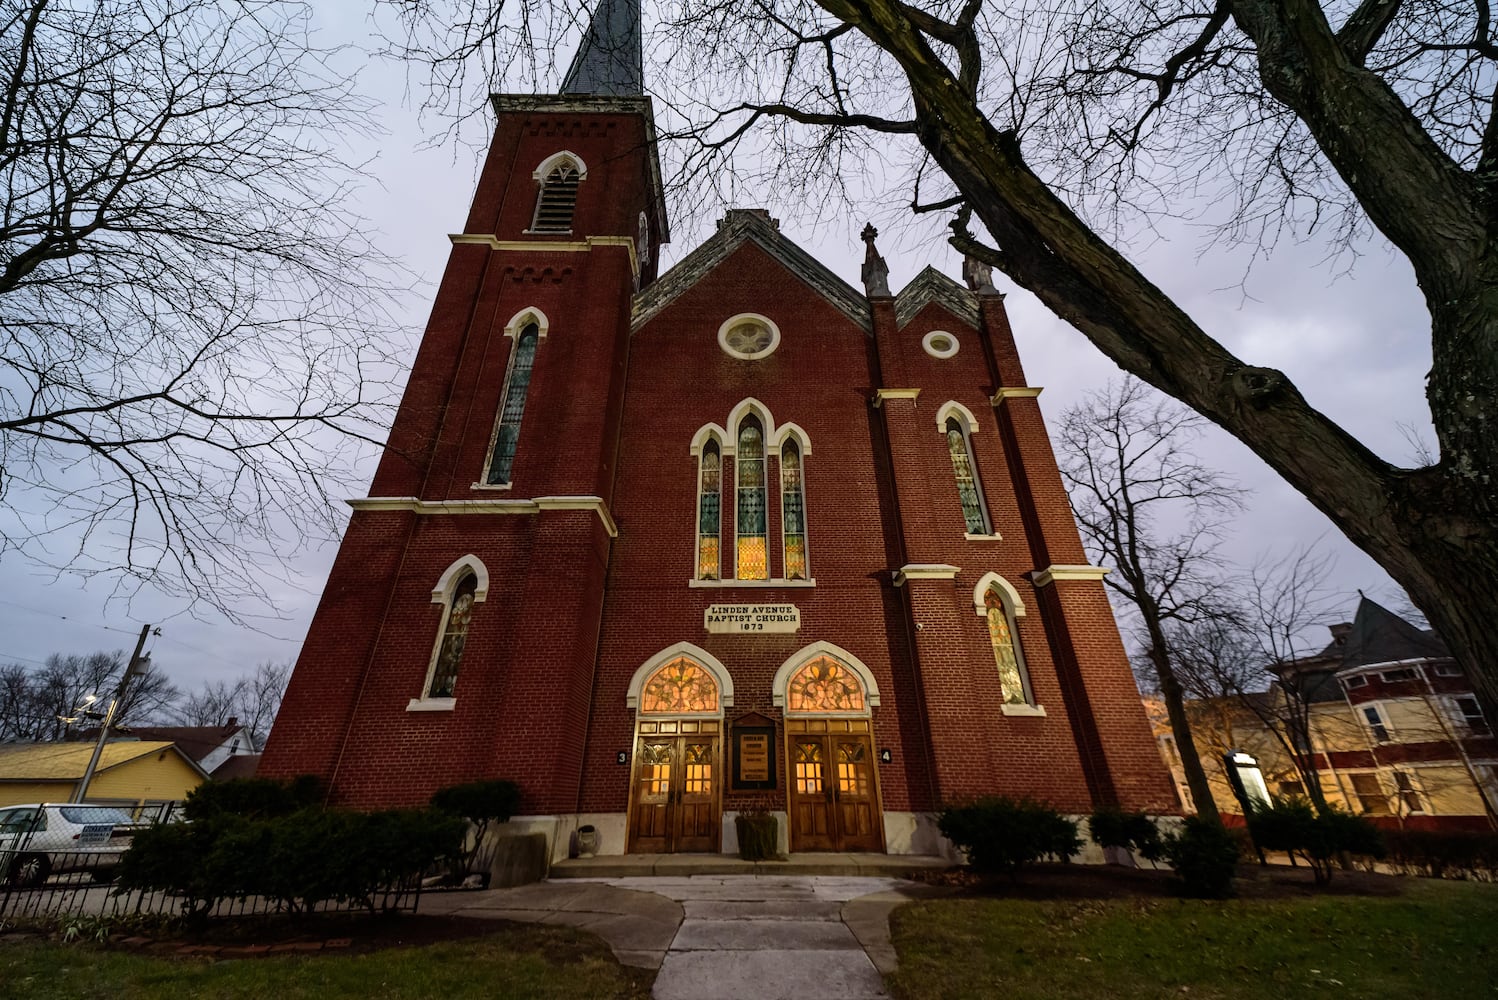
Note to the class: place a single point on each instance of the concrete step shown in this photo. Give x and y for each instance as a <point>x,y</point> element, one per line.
<point>679,865</point>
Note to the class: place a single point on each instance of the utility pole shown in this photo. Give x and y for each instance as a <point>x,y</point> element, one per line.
<point>135,666</point>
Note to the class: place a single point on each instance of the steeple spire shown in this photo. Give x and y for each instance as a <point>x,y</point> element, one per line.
<point>611,59</point>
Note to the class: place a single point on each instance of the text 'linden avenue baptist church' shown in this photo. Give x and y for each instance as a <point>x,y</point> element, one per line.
<point>662,548</point>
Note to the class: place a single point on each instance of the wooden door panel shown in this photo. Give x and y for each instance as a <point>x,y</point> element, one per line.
<point>833,804</point>
<point>696,803</point>
<point>812,826</point>
<point>675,795</point>
<point>650,827</point>
<point>857,804</point>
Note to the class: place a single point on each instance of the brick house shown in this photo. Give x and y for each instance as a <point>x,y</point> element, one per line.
<point>666,547</point>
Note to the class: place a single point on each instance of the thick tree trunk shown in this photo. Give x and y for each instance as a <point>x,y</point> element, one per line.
<point>1180,727</point>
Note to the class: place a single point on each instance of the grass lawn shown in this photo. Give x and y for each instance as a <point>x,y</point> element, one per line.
<point>515,961</point>
<point>1436,940</point>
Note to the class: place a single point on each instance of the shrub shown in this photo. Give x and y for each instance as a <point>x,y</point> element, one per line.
<point>1204,856</point>
<point>1293,826</point>
<point>1440,854</point>
<point>1003,834</point>
<point>480,803</point>
<point>1134,832</point>
<point>252,798</point>
<point>299,860</point>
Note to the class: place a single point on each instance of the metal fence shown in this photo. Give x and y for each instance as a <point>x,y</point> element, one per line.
<point>78,883</point>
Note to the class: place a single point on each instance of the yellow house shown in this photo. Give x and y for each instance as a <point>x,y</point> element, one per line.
<point>139,775</point>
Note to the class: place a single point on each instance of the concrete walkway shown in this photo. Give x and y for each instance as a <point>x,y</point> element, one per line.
<point>722,937</point>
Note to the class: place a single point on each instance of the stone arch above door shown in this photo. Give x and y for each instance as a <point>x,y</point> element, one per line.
<point>689,660</point>
<point>820,655</point>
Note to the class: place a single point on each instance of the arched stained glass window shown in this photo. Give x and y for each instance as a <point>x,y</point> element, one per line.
<point>507,434</point>
<point>454,636</point>
<point>1006,656</point>
<point>709,512</point>
<point>968,490</point>
<point>678,687</point>
<point>753,560</point>
<point>824,685</point>
<point>793,511</point>
<point>557,200</point>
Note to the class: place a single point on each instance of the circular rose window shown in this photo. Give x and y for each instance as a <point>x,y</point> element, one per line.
<point>939,344</point>
<point>749,336</point>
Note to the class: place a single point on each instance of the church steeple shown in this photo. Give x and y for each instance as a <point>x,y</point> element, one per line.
<point>610,61</point>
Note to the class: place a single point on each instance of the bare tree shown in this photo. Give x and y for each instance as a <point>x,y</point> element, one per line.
<point>1258,656</point>
<point>37,704</point>
<point>191,321</point>
<point>1378,113</point>
<point>1125,455</point>
<point>252,700</point>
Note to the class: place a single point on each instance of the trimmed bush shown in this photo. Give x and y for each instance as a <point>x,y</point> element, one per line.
<point>1134,832</point>
<point>252,798</point>
<point>1294,826</point>
<point>1204,856</point>
<point>1004,834</point>
<point>480,803</point>
<point>1441,854</point>
<point>298,860</point>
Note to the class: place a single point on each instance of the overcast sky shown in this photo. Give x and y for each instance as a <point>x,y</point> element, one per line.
<point>1357,345</point>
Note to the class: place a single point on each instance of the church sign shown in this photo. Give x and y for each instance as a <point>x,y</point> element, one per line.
<point>759,618</point>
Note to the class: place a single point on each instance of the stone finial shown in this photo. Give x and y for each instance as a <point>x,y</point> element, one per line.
<point>978,275</point>
<point>875,270</point>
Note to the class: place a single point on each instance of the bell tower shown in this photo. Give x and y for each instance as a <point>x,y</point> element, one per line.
<point>457,636</point>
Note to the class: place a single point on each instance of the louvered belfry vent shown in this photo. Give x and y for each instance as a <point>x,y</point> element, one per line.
<point>558,200</point>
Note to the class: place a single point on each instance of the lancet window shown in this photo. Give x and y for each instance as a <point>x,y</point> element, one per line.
<point>517,384</point>
<point>459,615</point>
<point>751,523</point>
<point>793,511</point>
<point>709,512</point>
<point>969,492</point>
<point>1006,655</point>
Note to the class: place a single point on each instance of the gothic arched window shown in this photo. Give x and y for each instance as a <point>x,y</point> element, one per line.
<point>752,559</point>
<point>968,489</point>
<point>1005,648</point>
<point>793,511</point>
<point>558,198</point>
<point>679,687</point>
<point>709,512</point>
<point>824,685</point>
<point>455,623</point>
<point>507,433</point>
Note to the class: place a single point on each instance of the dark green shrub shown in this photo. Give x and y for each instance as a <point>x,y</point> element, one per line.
<point>298,860</point>
<point>1295,827</point>
<point>252,798</point>
<point>1442,854</point>
<point>759,835</point>
<point>481,803</point>
<point>1134,832</point>
<point>1004,834</point>
<point>1204,856</point>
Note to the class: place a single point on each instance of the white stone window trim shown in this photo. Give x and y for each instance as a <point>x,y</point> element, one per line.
<point>1371,727</point>
<point>736,416</point>
<point>442,594</point>
<point>749,317</point>
<point>806,654</point>
<point>696,654</point>
<point>757,584</point>
<point>951,408</point>
<point>928,344</point>
<point>765,480</point>
<point>1014,609</point>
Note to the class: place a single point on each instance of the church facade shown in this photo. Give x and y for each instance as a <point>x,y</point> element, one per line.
<point>663,548</point>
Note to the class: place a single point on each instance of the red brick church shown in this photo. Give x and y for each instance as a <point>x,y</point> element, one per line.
<point>662,548</point>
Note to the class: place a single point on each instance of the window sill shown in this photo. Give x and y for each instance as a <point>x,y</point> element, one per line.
<point>492,486</point>
<point>720,584</point>
<point>1032,711</point>
<point>431,704</point>
<point>995,537</point>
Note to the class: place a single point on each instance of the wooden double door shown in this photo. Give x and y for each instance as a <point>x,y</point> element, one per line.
<point>676,788</point>
<point>834,801</point>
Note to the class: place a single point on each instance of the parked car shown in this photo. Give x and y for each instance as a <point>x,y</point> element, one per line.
<point>47,838</point>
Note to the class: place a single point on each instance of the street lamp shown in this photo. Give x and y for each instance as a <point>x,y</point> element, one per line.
<point>138,665</point>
